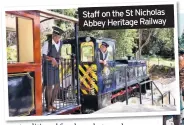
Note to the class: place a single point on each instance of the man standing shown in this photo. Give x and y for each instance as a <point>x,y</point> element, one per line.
<point>51,52</point>
<point>102,57</point>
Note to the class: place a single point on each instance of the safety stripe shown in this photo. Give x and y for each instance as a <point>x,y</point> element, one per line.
<point>89,78</point>
<point>85,84</point>
<point>91,71</point>
<point>63,71</point>
<point>84,91</point>
<point>85,75</point>
<point>82,79</point>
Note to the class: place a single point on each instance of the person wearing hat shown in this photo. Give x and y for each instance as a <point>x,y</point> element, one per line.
<point>51,52</point>
<point>102,58</point>
<point>103,54</point>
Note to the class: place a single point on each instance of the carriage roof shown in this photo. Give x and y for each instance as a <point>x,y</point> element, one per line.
<point>48,15</point>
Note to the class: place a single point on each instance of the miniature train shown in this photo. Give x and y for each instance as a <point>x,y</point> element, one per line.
<point>118,77</point>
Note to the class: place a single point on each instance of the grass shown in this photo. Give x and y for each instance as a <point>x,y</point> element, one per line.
<point>160,61</point>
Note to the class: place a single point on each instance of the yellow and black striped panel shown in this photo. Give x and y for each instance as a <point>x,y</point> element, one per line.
<point>88,79</point>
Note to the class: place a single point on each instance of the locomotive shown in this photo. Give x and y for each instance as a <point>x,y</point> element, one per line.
<point>116,82</point>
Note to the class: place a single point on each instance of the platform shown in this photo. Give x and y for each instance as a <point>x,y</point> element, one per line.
<point>120,107</point>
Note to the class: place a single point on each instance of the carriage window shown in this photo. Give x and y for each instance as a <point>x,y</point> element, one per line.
<point>66,50</point>
<point>19,39</point>
<point>87,52</point>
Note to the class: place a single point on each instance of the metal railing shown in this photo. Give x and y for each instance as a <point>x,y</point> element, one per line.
<point>62,95</point>
<point>152,83</point>
<point>145,82</point>
<point>162,94</point>
<point>169,97</point>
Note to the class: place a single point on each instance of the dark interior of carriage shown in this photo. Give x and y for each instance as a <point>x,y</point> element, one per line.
<point>21,84</point>
<point>21,94</point>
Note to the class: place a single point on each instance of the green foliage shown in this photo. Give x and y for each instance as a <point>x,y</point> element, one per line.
<point>181,42</point>
<point>161,61</point>
<point>166,35</point>
<point>68,27</point>
<point>124,41</point>
<point>93,33</point>
<point>66,51</point>
<point>161,43</point>
<point>67,12</point>
<point>11,40</point>
<point>11,54</point>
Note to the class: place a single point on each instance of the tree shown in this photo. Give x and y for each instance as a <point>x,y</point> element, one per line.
<point>166,35</point>
<point>162,43</point>
<point>159,41</point>
<point>144,39</point>
<point>68,27</point>
<point>93,33</point>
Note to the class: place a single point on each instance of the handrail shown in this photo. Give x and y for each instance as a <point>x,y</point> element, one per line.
<point>170,97</point>
<point>158,91</point>
<point>167,92</point>
<point>152,83</point>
